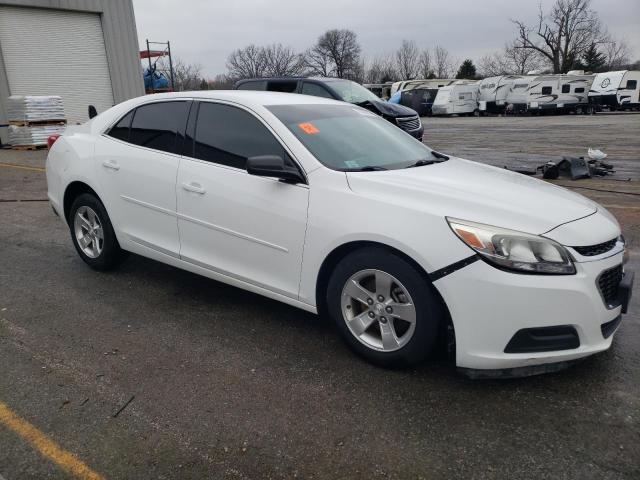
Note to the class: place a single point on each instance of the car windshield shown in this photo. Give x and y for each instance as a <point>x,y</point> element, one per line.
<point>352,92</point>
<point>350,138</point>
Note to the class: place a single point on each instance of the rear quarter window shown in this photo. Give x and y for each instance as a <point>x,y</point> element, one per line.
<point>253,85</point>
<point>156,125</point>
<point>121,129</point>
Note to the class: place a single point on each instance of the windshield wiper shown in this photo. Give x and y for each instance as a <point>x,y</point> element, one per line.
<point>423,162</point>
<point>429,161</point>
<point>439,155</point>
<point>368,168</point>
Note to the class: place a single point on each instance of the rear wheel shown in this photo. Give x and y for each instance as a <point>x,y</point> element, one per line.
<point>384,308</point>
<point>92,233</point>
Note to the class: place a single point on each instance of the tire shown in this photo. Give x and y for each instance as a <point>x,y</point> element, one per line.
<point>406,343</point>
<point>89,221</point>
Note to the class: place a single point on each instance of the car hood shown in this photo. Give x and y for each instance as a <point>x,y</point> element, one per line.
<point>480,193</point>
<point>390,109</point>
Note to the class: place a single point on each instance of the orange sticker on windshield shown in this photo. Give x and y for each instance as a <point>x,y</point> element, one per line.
<point>309,128</point>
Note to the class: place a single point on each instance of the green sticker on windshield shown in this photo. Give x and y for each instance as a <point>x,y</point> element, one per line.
<point>352,164</point>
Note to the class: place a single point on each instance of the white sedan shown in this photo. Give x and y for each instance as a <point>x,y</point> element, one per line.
<point>329,208</point>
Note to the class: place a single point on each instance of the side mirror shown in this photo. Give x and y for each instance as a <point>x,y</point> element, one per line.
<point>92,112</point>
<point>273,166</point>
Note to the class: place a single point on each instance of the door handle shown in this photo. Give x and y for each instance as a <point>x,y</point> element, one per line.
<point>193,187</point>
<point>111,165</point>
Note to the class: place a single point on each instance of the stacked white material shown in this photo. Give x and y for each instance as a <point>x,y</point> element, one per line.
<point>32,135</point>
<point>32,108</point>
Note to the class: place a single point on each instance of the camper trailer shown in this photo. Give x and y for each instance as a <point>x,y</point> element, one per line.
<point>424,83</point>
<point>381,90</point>
<point>616,90</point>
<point>518,95</point>
<point>492,97</point>
<point>460,98</point>
<point>562,93</point>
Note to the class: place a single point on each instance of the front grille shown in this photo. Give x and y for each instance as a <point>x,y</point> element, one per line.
<point>409,124</point>
<point>608,283</point>
<point>599,249</point>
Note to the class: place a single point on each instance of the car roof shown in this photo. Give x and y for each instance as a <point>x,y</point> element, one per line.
<point>293,79</point>
<point>245,97</point>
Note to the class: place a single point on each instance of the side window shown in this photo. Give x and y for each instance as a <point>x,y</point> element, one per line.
<point>566,88</point>
<point>286,86</point>
<point>546,90</point>
<point>579,90</point>
<point>632,84</point>
<point>228,136</point>
<point>253,85</point>
<point>121,129</point>
<point>156,125</point>
<point>315,90</point>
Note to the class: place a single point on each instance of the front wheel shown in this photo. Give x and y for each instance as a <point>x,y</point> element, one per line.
<point>92,233</point>
<point>384,308</point>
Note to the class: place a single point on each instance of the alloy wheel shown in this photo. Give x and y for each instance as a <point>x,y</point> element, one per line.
<point>88,231</point>
<point>378,310</point>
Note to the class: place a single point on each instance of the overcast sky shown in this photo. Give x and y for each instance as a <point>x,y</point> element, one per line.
<point>206,31</point>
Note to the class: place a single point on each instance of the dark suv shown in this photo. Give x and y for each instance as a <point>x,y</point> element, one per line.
<point>338,89</point>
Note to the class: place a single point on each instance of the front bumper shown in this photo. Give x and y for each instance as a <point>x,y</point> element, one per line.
<point>489,306</point>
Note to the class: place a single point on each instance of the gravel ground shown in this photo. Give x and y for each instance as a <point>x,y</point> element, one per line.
<point>228,384</point>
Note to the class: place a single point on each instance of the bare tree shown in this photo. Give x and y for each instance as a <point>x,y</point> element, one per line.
<point>336,53</point>
<point>562,35</point>
<point>510,61</point>
<point>443,63</point>
<point>281,61</point>
<point>425,68</point>
<point>247,62</point>
<point>186,76</point>
<point>618,54</point>
<point>318,62</point>
<point>221,82</point>
<point>407,60</point>
<point>381,69</point>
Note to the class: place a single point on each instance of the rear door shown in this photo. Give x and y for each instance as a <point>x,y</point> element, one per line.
<point>247,227</point>
<point>137,165</point>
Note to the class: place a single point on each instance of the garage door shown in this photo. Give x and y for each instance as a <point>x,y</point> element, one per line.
<point>56,52</point>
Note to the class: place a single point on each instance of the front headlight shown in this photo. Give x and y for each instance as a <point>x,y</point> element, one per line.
<point>514,250</point>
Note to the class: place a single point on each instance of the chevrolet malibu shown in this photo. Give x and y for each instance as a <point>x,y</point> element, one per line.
<point>327,207</point>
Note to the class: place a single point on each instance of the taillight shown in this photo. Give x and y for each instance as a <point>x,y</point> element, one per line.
<point>52,139</point>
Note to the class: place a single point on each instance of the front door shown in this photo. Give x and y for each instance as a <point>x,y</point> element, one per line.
<point>247,227</point>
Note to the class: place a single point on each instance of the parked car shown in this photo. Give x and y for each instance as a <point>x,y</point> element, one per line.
<point>345,90</point>
<point>329,208</point>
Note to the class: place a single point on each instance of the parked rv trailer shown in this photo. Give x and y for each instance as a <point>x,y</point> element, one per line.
<point>492,97</point>
<point>424,83</point>
<point>381,90</point>
<point>518,95</point>
<point>616,90</point>
<point>460,98</point>
<point>559,93</point>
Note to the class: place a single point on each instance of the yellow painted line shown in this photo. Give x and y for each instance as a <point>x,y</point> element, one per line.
<point>48,448</point>
<point>11,165</point>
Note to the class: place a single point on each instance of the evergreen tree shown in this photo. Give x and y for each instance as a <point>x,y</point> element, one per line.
<point>592,60</point>
<point>467,70</point>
